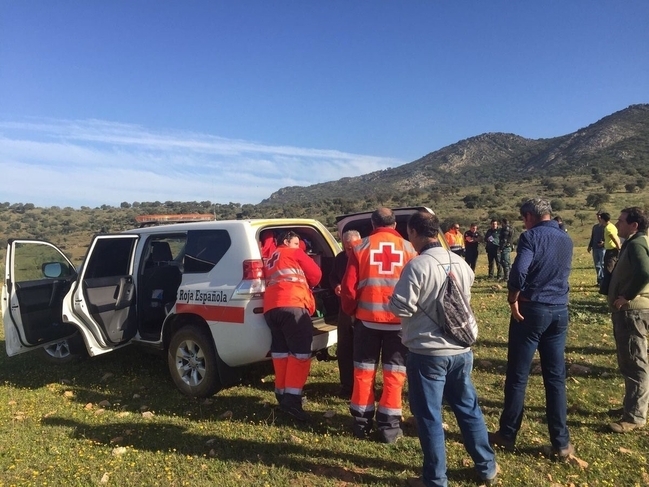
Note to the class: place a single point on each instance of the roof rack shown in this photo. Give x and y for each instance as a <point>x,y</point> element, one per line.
<point>146,220</point>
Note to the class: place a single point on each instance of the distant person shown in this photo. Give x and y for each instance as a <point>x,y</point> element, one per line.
<point>438,368</point>
<point>373,268</point>
<point>559,220</point>
<point>455,240</point>
<point>505,247</point>
<point>612,246</point>
<point>345,346</point>
<point>628,299</point>
<point>492,246</point>
<point>596,246</point>
<point>538,300</point>
<point>288,305</point>
<point>471,241</point>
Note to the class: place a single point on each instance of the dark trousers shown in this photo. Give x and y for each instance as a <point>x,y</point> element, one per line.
<point>345,352</point>
<point>544,327</point>
<point>493,258</point>
<point>471,256</point>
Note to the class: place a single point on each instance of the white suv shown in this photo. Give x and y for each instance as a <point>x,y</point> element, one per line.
<point>194,290</point>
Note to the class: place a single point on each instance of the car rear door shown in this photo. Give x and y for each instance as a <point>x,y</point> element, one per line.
<point>38,276</point>
<point>103,301</point>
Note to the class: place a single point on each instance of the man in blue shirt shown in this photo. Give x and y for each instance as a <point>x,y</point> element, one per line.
<point>538,298</point>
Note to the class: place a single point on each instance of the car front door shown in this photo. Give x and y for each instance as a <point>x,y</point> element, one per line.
<point>37,278</point>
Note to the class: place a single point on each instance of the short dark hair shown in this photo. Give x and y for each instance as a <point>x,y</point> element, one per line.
<point>504,221</point>
<point>288,236</point>
<point>494,220</point>
<point>635,214</point>
<point>605,216</point>
<point>383,217</point>
<point>425,224</point>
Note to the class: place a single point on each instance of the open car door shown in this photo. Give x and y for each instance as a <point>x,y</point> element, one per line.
<point>45,301</point>
<point>37,278</point>
<point>102,302</point>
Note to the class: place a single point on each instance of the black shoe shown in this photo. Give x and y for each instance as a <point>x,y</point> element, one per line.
<point>361,430</point>
<point>297,412</point>
<point>496,439</point>
<point>615,413</point>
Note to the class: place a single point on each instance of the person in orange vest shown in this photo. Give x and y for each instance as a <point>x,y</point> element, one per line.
<point>288,305</point>
<point>373,268</point>
<point>455,240</point>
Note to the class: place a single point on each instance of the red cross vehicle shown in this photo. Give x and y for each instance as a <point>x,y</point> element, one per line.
<point>194,291</point>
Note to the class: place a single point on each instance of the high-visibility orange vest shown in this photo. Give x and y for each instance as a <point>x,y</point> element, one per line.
<point>381,258</point>
<point>288,273</point>
<point>455,240</point>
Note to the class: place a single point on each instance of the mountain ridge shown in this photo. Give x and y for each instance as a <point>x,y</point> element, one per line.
<point>619,138</point>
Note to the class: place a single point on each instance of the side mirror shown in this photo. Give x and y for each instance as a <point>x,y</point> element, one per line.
<point>55,270</point>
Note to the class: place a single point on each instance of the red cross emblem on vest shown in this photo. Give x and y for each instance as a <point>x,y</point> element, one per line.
<point>386,257</point>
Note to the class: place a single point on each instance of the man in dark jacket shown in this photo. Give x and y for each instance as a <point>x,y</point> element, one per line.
<point>505,247</point>
<point>492,245</point>
<point>345,347</point>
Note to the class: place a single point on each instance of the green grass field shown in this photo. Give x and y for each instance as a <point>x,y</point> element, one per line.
<point>118,420</point>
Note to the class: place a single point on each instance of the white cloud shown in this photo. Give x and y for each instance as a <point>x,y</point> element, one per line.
<point>93,162</point>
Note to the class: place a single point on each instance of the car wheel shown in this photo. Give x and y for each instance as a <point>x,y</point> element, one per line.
<point>64,351</point>
<point>192,362</point>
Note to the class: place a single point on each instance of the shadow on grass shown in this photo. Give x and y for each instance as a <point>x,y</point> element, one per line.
<point>310,459</point>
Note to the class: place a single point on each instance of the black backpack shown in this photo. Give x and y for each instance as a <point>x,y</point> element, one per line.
<point>453,312</point>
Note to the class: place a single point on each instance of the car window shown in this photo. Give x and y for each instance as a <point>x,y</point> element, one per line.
<point>109,258</point>
<point>204,249</point>
<point>30,259</point>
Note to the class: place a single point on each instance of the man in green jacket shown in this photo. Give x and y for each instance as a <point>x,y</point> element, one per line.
<point>628,299</point>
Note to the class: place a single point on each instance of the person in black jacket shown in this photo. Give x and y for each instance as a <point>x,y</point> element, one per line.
<point>345,348</point>
<point>471,240</point>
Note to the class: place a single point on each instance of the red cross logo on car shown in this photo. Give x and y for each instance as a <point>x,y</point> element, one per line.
<point>386,257</point>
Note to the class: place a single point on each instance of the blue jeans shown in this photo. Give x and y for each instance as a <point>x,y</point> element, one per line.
<point>598,260</point>
<point>430,379</point>
<point>543,327</point>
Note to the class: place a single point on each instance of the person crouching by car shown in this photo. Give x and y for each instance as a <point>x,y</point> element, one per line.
<point>288,305</point>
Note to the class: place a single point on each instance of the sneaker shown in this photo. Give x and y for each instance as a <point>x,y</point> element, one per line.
<point>298,413</point>
<point>615,413</point>
<point>494,479</point>
<point>624,426</point>
<point>560,454</point>
<point>496,439</point>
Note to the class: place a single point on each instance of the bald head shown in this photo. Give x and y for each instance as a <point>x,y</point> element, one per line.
<point>383,217</point>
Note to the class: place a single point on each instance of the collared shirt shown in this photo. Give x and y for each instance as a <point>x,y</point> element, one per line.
<point>542,265</point>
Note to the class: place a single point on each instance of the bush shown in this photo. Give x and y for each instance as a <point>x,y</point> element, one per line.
<point>557,205</point>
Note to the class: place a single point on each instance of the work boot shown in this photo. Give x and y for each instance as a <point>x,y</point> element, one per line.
<point>292,404</point>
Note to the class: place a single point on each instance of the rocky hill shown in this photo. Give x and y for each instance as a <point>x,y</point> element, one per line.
<point>617,142</point>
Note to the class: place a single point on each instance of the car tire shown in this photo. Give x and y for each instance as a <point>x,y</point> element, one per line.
<point>193,362</point>
<point>65,351</point>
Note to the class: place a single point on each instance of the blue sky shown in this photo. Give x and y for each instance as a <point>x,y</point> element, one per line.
<point>110,101</point>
